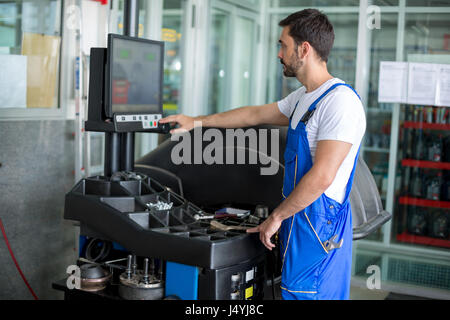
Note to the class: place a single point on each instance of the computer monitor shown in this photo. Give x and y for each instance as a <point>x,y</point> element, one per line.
<point>126,86</point>
<point>134,76</point>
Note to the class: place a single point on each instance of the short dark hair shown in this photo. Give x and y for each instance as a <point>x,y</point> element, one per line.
<point>313,26</point>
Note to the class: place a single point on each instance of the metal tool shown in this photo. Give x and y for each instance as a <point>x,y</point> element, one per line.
<point>204,217</point>
<point>160,205</point>
<point>134,264</point>
<point>253,219</point>
<point>331,244</point>
<point>216,216</point>
<point>128,271</point>
<point>145,277</point>
<point>232,212</point>
<point>217,225</point>
<point>262,211</point>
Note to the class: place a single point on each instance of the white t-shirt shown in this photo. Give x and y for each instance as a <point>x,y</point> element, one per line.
<point>339,116</point>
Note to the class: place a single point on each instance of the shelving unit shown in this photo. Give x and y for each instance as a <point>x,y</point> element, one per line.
<point>428,241</point>
<point>411,201</point>
<point>425,125</point>
<point>420,212</point>
<point>426,164</point>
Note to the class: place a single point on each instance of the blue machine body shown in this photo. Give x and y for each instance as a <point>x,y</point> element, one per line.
<point>181,281</point>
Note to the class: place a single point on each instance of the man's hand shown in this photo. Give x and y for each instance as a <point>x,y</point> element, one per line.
<point>185,123</point>
<point>267,229</point>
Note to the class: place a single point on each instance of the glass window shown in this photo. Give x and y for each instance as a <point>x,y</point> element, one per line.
<point>427,3</point>
<point>116,17</point>
<point>244,44</point>
<point>219,62</point>
<point>342,59</point>
<point>314,3</point>
<point>422,194</point>
<point>172,35</point>
<point>172,4</point>
<point>249,4</point>
<point>384,2</point>
<point>232,57</point>
<point>97,153</point>
<point>332,3</point>
<point>377,138</point>
<point>30,42</point>
<point>427,34</point>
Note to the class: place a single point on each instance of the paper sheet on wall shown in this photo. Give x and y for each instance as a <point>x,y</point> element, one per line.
<point>42,68</point>
<point>422,81</point>
<point>392,83</point>
<point>13,81</point>
<point>443,89</point>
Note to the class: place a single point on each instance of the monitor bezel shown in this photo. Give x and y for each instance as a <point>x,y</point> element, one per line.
<point>108,92</point>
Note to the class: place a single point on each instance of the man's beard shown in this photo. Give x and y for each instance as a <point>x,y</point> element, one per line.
<point>290,71</point>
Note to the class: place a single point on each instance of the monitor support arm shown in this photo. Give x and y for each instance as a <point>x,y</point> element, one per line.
<point>119,147</point>
<point>119,152</point>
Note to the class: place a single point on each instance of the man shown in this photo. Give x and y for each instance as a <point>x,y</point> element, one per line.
<point>326,124</point>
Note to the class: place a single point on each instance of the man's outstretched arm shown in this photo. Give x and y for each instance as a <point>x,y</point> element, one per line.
<point>236,118</point>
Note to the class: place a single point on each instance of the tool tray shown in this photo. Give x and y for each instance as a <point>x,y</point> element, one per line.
<point>118,211</point>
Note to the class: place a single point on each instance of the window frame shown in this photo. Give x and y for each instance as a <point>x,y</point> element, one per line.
<point>63,82</point>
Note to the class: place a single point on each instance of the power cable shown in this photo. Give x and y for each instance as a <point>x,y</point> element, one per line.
<point>15,261</point>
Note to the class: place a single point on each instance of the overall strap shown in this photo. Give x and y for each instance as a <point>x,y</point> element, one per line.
<point>308,114</point>
<point>292,114</point>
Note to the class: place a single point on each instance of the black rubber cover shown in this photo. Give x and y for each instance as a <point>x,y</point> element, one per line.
<point>117,211</point>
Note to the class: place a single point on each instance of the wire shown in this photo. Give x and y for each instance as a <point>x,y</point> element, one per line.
<point>93,246</point>
<point>15,261</point>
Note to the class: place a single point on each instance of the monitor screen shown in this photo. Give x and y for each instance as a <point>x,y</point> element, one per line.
<point>136,75</point>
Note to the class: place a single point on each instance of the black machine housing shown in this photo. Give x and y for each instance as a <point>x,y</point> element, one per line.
<point>117,206</point>
<point>118,211</point>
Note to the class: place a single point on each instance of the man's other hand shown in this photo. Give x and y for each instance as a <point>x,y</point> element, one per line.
<point>266,230</point>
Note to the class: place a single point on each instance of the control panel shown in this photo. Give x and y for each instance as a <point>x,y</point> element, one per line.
<point>138,122</point>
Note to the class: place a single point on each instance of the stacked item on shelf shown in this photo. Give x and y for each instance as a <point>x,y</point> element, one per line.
<point>426,183</point>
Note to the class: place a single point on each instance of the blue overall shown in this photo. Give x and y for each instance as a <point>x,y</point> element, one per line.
<point>309,270</point>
